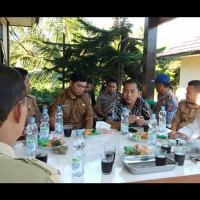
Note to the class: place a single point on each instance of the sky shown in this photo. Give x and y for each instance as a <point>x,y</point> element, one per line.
<point>169,34</point>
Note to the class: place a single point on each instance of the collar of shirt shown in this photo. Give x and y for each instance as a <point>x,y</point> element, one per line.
<point>7,150</point>
<point>68,94</point>
<point>191,105</point>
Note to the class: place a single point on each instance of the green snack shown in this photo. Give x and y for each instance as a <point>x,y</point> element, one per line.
<point>60,150</point>
<point>43,142</point>
<point>131,151</point>
<point>56,143</point>
<point>136,136</point>
<point>94,133</point>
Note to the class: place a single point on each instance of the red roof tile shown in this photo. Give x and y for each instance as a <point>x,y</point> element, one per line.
<point>192,45</point>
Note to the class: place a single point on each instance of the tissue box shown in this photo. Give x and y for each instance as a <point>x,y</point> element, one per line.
<point>103,131</point>
<point>103,127</point>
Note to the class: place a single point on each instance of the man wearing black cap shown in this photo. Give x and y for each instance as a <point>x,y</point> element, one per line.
<point>165,98</point>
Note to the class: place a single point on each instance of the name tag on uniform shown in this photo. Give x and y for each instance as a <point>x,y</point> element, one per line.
<point>65,106</point>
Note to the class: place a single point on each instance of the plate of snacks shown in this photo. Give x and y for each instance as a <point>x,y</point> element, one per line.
<point>90,133</point>
<point>50,144</point>
<point>139,136</point>
<point>136,150</point>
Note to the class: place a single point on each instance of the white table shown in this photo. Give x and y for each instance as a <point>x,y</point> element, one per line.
<point>93,148</point>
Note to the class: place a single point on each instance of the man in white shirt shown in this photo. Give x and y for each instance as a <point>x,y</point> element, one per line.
<point>190,131</point>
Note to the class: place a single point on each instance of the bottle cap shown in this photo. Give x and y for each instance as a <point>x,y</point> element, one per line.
<point>162,107</point>
<point>44,110</point>
<point>153,115</point>
<point>58,107</point>
<point>31,119</point>
<point>79,132</point>
<point>125,109</point>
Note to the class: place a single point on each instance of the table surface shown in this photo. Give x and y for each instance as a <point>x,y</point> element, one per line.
<point>94,146</point>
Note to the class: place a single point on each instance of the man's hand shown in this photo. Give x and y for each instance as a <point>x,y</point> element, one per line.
<point>171,135</point>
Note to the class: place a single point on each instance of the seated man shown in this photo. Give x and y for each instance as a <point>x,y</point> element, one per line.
<point>12,118</point>
<point>132,100</point>
<point>88,92</point>
<point>188,109</point>
<point>32,107</point>
<point>76,106</point>
<point>192,130</point>
<point>105,99</point>
<point>165,98</point>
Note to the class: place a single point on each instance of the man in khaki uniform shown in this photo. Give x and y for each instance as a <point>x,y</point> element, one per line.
<point>13,115</point>
<point>32,107</point>
<point>106,98</point>
<point>188,109</point>
<point>76,107</point>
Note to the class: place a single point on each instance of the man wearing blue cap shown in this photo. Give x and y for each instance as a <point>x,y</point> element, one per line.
<point>165,98</point>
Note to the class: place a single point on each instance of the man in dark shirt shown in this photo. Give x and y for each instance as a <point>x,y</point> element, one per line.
<point>139,109</point>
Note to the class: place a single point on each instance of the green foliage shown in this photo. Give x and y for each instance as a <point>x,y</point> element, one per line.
<point>98,52</point>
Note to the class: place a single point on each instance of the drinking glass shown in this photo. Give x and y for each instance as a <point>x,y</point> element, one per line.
<point>67,130</point>
<point>166,145</point>
<point>172,143</point>
<point>110,149</point>
<point>180,152</point>
<point>160,157</point>
<point>107,163</point>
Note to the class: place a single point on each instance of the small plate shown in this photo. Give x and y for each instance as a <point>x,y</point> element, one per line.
<point>90,136</point>
<point>50,148</point>
<point>137,139</point>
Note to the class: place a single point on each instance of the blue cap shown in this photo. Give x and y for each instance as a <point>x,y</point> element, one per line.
<point>162,78</point>
<point>79,132</point>
<point>125,109</point>
<point>162,108</point>
<point>31,119</point>
<point>44,110</point>
<point>59,107</point>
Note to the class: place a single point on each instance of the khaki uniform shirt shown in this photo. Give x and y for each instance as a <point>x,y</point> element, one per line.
<point>32,109</point>
<point>24,170</point>
<point>74,110</point>
<point>185,114</point>
<point>104,100</point>
<point>162,101</point>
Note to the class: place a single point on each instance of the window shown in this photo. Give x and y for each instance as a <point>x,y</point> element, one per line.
<point>1,41</point>
<point>1,31</point>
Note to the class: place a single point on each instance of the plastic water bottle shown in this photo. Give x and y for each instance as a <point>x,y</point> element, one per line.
<point>44,125</point>
<point>78,162</point>
<point>124,121</point>
<point>58,122</point>
<point>170,110</point>
<point>162,123</point>
<point>78,154</point>
<point>79,142</point>
<point>32,137</point>
<point>152,131</point>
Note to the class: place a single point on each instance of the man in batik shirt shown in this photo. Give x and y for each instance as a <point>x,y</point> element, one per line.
<point>139,109</point>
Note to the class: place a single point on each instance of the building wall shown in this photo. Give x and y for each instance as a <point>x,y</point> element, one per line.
<point>189,70</point>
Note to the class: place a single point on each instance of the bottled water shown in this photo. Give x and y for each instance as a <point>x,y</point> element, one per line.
<point>32,137</point>
<point>78,154</point>
<point>78,162</point>
<point>152,132</point>
<point>162,123</point>
<point>124,121</point>
<point>44,125</point>
<point>78,142</point>
<point>58,122</point>
<point>170,110</point>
